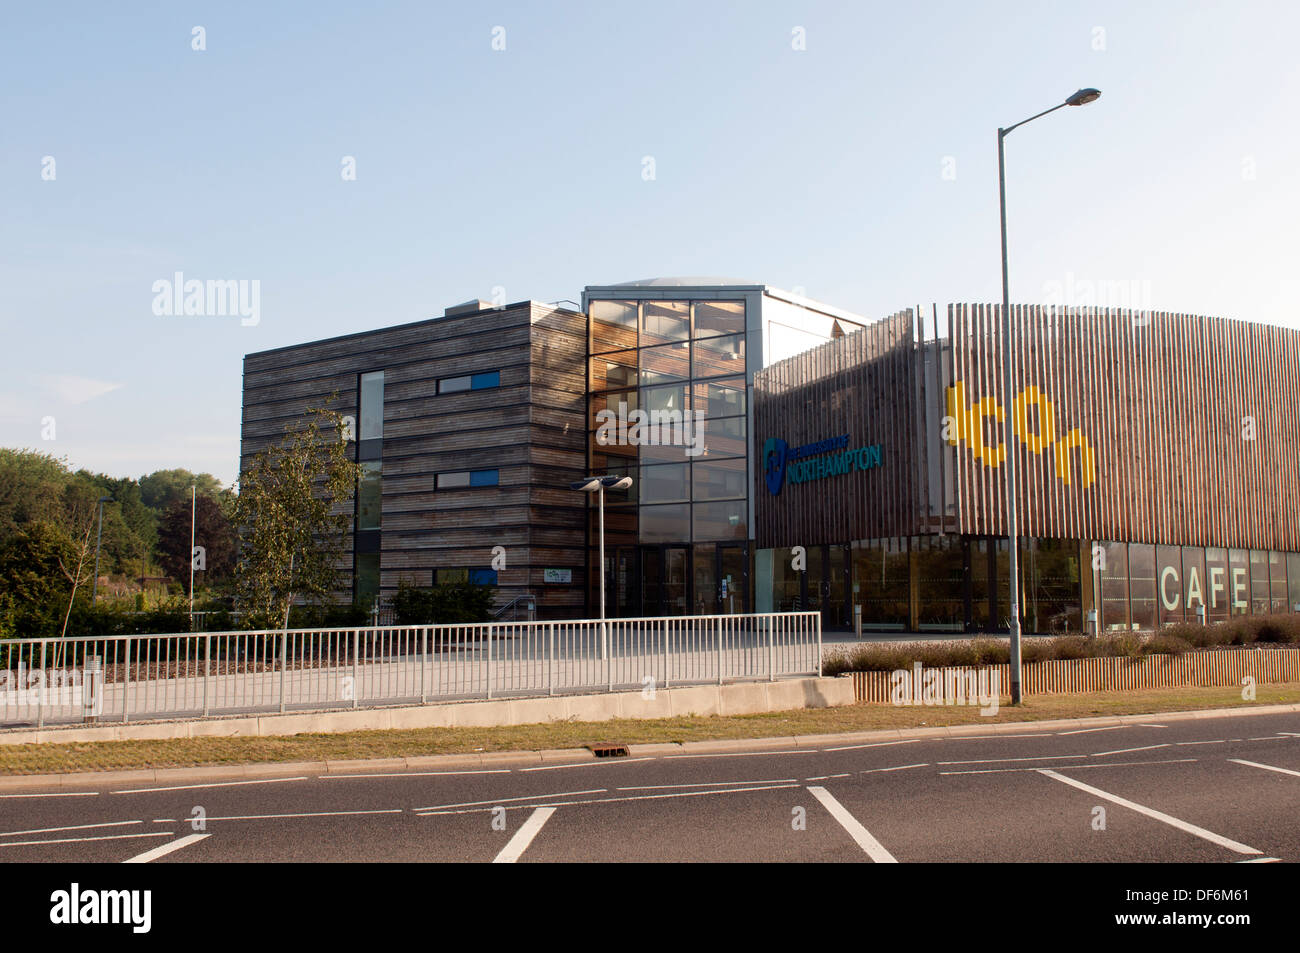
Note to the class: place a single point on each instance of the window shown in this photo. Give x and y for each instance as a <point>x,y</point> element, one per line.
<point>452,385</point>
<point>475,577</point>
<point>720,355</point>
<point>719,317</point>
<point>669,483</point>
<point>458,479</point>
<point>664,321</point>
<point>366,579</point>
<point>613,325</point>
<point>370,495</point>
<point>720,479</point>
<point>372,406</point>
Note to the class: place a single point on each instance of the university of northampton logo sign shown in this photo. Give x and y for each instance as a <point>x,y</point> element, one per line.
<point>815,461</point>
<point>965,422</point>
<point>774,454</point>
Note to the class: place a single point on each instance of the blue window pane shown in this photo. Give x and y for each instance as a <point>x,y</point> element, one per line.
<point>481,381</point>
<point>484,478</point>
<point>483,577</point>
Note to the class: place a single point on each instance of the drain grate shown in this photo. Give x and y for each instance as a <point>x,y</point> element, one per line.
<point>609,750</point>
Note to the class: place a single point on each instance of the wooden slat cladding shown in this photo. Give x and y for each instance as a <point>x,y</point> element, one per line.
<point>866,385</point>
<point>530,428</point>
<point>1165,403</point>
<point>1148,427</point>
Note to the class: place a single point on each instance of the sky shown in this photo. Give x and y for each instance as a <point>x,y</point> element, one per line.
<point>370,164</point>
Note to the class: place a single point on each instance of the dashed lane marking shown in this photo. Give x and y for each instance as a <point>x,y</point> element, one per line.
<point>709,784</point>
<point>73,827</point>
<point>1201,832</point>
<point>55,794</point>
<point>1102,754</point>
<point>506,800</point>
<point>409,774</point>
<point>861,836</point>
<point>82,840</point>
<point>1266,767</point>
<point>878,744</point>
<point>612,800</point>
<point>743,754</point>
<point>899,767</point>
<point>585,764</point>
<point>216,784</point>
<point>1075,767</point>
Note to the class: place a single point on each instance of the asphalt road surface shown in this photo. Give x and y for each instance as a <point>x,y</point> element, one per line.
<point>1217,790</point>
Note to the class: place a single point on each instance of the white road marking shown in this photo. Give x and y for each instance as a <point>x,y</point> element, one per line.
<point>1102,754</point>
<point>996,737</point>
<point>267,817</point>
<point>219,784</point>
<point>74,827</point>
<point>584,764</point>
<point>1268,738</point>
<point>82,840</point>
<point>901,767</point>
<point>878,744</point>
<point>409,774</point>
<point>1084,731</point>
<point>708,784</point>
<point>1076,767</point>
<point>745,754</point>
<point>861,836</point>
<point>1192,829</point>
<point>56,794</point>
<point>611,800</point>
<point>162,820</point>
<point>1218,741</point>
<point>524,836</point>
<point>1153,726</point>
<point>1046,757</point>
<point>827,777</point>
<point>162,850</point>
<point>1266,767</point>
<point>504,800</point>
<point>1261,860</point>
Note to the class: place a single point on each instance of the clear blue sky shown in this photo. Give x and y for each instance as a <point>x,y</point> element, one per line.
<point>822,169</point>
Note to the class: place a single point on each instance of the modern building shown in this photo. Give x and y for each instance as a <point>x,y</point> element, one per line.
<point>785,453</point>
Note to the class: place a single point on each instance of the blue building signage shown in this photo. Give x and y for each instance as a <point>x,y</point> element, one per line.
<point>815,461</point>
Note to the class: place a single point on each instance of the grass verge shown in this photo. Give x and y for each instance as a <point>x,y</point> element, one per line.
<point>52,758</point>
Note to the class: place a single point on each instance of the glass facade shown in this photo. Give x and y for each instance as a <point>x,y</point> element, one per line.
<point>370,487</point>
<point>667,405</point>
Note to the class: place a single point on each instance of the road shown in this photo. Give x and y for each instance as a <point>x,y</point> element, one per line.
<point>1209,790</point>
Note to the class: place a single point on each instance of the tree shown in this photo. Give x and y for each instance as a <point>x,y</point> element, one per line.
<point>212,530</point>
<point>32,586</point>
<point>31,489</point>
<point>293,513</point>
<point>162,489</point>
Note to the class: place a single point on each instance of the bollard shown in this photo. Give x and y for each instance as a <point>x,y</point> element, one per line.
<point>1091,624</point>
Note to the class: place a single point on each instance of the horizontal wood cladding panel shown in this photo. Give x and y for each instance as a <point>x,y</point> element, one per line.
<point>1140,426</point>
<point>439,336</point>
<point>865,385</point>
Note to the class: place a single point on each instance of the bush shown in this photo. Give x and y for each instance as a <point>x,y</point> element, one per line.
<point>450,604</point>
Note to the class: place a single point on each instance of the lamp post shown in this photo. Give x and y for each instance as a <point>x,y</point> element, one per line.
<point>598,485</point>
<point>94,591</point>
<point>1080,98</point>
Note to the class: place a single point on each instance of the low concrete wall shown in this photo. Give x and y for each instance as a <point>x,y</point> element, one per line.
<point>740,698</point>
<point>1209,668</point>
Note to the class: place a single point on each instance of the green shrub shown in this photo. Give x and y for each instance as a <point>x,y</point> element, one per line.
<point>448,604</point>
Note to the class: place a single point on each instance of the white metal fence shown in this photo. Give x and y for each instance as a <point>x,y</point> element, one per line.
<point>139,677</point>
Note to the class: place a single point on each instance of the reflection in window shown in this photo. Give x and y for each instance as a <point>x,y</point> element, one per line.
<point>719,317</point>
<point>670,523</point>
<point>372,406</point>
<point>1170,585</point>
<point>664,321</point>
<point>613,325</point>
<point>724,520</point>
<point>1217,599</point>
<point>940,576</point>
<point>1259,597</point>
<point>1114,586</point>
<point>1277,582</point>
<point>370,495</point>
<point>668,362</point>
<point>668,483</point>
<point>1142,585</point>
<point>1053,603</point>
<point>719,479</point>
<point>721,398</point>
<point>366,577</point>
<point>717,356</point>
<point>881,582</point>
<point>613,370</point>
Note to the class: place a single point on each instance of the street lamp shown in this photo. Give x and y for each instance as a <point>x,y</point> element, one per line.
<point>94,592</point>
<point>1080,98</point>
<point>598,485</point>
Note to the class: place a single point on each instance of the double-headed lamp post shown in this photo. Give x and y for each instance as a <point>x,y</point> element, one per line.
<point>598,485</point>
<point>1081,98</point>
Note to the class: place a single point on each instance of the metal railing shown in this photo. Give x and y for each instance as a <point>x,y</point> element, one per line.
<point>198,674</point>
